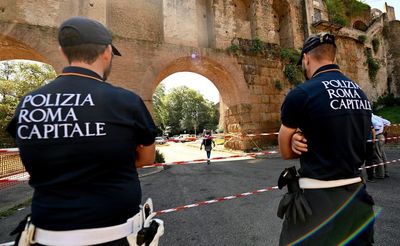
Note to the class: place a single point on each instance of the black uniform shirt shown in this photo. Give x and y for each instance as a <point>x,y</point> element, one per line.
<point>77,137</point>
<point>335,116</point>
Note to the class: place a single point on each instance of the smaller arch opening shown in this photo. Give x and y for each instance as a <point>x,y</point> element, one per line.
<point>359,25</point>
<point>186,103</point>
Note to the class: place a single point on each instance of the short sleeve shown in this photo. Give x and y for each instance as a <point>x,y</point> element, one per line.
<point>292,109</point>
<point>12,127</point>
<point>146,129</point>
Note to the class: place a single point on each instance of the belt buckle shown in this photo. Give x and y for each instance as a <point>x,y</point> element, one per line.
<point>30,228</point>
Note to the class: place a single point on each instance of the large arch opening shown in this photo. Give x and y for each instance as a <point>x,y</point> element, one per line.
<point>186,103</point>
<point>233,93</point>
<point>22,69</point>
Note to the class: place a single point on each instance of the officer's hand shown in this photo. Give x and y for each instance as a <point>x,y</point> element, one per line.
<point>299,143</point>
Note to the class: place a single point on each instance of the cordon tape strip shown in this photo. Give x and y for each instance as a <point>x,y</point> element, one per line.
<point>222,199</point>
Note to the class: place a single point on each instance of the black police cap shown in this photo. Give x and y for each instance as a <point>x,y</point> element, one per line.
<point>314,41</point>
<point>88,32</point>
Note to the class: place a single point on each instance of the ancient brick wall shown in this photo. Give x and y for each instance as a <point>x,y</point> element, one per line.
<point>392,34</point>
<point>158,38</point>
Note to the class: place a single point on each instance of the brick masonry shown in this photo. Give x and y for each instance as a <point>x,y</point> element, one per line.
<point>159,38</point>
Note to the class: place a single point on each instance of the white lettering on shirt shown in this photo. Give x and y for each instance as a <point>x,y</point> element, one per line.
<point>344,94</point>
<point>57,115</point>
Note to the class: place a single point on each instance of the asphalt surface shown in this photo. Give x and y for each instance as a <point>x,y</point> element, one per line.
<point>248,220</point>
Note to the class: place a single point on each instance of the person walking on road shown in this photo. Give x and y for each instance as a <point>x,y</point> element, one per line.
<point>325,122</point>
<point>81,140</point>
<point>207,142</point>
<point>380,124</point>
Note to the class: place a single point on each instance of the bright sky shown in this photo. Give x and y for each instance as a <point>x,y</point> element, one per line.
<point>379,4</point>
<point>194,81</point>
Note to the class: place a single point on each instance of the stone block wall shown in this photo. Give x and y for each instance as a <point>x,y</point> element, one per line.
<point>49,12</point>
<point>392,35</point>
<point>136,19</point>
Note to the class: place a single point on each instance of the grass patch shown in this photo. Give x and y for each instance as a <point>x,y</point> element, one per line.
<point>219,141</point>
<point>391,113</point>
<point>13,210</point>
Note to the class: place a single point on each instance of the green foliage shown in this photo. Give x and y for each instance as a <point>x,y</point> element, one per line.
<point>340,11</point>
<point>373,65</point>
<point>159,157</point>
<point>336,11</point>
<point>391,113</point>
<point>291,55</point>
<point>340,20</point>
<point>278,85</point>
<point>294,74</point>
<point>234,49</point>
<point>355,7</point>
<point>160,110</point>
<point>362,38</point>
<point>17,79</point>
<point>256,46</point>
<point>185,109</point>
<point>375,44</point>
<point>387,100</point>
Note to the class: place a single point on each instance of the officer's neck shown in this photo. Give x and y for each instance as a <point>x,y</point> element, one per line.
<point>96,66</point>
<point>315,65</point>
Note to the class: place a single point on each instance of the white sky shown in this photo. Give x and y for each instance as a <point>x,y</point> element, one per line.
<point>379,4</point>
<point>194,81</point>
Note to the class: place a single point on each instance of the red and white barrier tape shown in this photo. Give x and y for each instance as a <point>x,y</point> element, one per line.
<point>222,199</point>
<point>389,138</point>
<point>9,150</point>
<point>380,164</point>
<point>25,176</point>
<point>198,161</point>
<point>21,177</point>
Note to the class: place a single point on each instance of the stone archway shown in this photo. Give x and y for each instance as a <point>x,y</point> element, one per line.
<point>232,94</point>
<point>20,41</point>
<point>12,49</point>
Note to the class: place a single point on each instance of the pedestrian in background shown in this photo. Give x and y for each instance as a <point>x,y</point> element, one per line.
<point>207,142</point>
<point>380,125</point>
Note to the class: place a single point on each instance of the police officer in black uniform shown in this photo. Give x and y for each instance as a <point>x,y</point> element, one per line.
<point>81,140</point>
<point>325,123</point>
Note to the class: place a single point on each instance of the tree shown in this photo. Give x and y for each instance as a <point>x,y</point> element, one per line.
<point>160,109</point>
<point>184,109</point>
<point>17,79</point>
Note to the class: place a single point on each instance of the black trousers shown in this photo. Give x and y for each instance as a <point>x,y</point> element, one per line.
<point>369,160</point>
<point>339,215</point>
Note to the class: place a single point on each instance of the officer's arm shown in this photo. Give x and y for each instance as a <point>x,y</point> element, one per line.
<point>285,142</point>
<point>373,135</point>
<point>145,155</point>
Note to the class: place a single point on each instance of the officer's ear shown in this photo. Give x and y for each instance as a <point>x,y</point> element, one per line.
<point>306,59</point>
<point>63,54</point>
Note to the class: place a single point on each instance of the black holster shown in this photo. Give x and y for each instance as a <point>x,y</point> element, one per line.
<point>146,235</point>
<point>293,205</point>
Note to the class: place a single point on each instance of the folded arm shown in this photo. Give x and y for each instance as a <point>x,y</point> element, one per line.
<point>145,155</point>
<point>292,143</point>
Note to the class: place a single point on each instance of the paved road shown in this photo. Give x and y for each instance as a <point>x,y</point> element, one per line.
<point>246,221</point>
<point>190,151</point>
